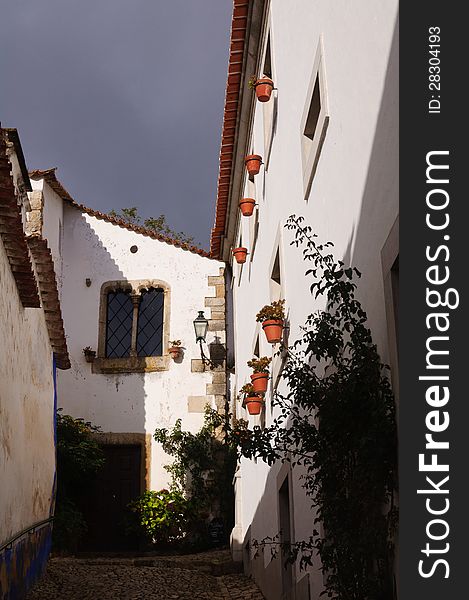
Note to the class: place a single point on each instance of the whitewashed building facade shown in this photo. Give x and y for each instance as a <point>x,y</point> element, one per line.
<point>328,138</point>
<point>33,345</point>
<point>126,293</point>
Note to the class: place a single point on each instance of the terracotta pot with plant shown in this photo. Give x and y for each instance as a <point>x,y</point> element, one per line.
<point>260,376</point>
<point>252,400</point>
<point>175,349</point>
<point>253,163</point>
<point>272,317</point>
<point>90,354</point>
<point>240,254</point>
<point>246,206</point>
<point>263,87</point>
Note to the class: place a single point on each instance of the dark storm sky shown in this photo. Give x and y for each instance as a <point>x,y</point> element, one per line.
<point>125,97</point>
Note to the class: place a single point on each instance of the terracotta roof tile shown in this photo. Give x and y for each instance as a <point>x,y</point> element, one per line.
<point>50,177</point>
<point>12,233</point>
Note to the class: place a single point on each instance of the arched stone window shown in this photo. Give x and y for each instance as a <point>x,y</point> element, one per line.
<point>134,319</point>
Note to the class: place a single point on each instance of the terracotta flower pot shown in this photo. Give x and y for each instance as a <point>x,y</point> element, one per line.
<point>175,352</point>
<point>264,87</point>
<point>253,163</point>
<point>240,254</point>
<point>273,330</point>
<point>259,382</point>
<point>90,356</point>
<point>247,206</point>
<point>254,404</point>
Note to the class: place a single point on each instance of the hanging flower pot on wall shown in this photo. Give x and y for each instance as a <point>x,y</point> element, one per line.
<point>89,354</point>
<point>253,163</point>
<point>272,317</point>
<point>259,382</point>
<point>260,376</point>
<point>252,400</point>
<point>175,349</point>
<point>254,404</point>
<point>273,329</point>
<point>264,87</point>
<point>240,254</point>
<point>246,206</point>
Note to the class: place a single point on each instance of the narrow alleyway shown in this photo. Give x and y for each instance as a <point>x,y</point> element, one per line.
<point>201,576</point>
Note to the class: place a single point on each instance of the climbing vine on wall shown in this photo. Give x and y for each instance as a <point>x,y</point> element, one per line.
<point>336,422</point>
<point>203,466</point>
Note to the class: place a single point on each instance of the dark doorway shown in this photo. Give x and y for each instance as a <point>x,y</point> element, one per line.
<point>105,502</point>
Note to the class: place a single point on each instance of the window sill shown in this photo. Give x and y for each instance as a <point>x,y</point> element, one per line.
<point>134,364</point>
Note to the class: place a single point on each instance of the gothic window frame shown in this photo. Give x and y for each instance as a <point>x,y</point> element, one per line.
<point>132,363</point>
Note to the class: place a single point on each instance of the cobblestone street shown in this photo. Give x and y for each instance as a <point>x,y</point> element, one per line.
<point>201,576</point>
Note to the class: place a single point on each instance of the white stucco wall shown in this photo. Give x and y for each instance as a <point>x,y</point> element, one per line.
<point>27,451</point>
<point>134,402</point>
<point>353,200</point>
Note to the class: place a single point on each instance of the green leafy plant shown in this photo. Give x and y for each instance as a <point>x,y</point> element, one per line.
<point>274,310</point>
<point>202,468</point>
<point>252,82</point>
<point>79,457</point>
<point>247,390</point>
<point>164,516</point>
<point>156,224</point>
<point>260,365</point>
<point>175,343</point>
<point>336,421</point>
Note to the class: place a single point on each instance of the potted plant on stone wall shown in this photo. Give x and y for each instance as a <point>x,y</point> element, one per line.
<point>272,317</point>
<point>253,163</point>
<point>252,400</point>
<point>240,254</point>
<point>90,354</point>
<point>262,86</point>
<point>175,349</point>
<point>260,375</point>
<point>246,206</point>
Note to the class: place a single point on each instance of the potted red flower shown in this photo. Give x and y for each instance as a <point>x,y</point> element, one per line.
<point>175,349</point>
<point>272,317</point>
<point>263,87</point>
<point>252,400</point>
<point>260,376</point>
<point>240,254</point>
<point>253,163</point>
<point>246,206</point>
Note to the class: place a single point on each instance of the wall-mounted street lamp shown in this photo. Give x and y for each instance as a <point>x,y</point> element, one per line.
<point>201,328</point>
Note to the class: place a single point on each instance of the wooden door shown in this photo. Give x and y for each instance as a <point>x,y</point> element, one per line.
<point>105,503</point>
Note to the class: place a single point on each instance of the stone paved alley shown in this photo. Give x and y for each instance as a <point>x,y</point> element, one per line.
<point>202,576</point>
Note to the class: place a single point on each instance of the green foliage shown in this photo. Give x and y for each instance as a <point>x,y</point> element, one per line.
<point>274,310</point>
<point>203,465</point>
<point>247,390</point>
<point>337,422</point>
<point>156,224</point>
<point>78,458</point>
<point>260,365</point>
<point>165,517</point>
<point>252,82</point>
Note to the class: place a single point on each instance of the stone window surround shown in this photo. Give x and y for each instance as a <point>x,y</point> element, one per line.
<point>132,364</point>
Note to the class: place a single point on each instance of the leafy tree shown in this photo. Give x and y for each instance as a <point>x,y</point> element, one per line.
<point>336,422</point>
<point>78,458</point>
<point>156,224</point>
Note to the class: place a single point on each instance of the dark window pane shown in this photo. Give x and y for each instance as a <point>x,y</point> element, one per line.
<point>118,324</point>
<point>150,323</point>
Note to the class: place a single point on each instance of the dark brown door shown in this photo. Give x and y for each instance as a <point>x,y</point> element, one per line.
<point>105,503</point>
